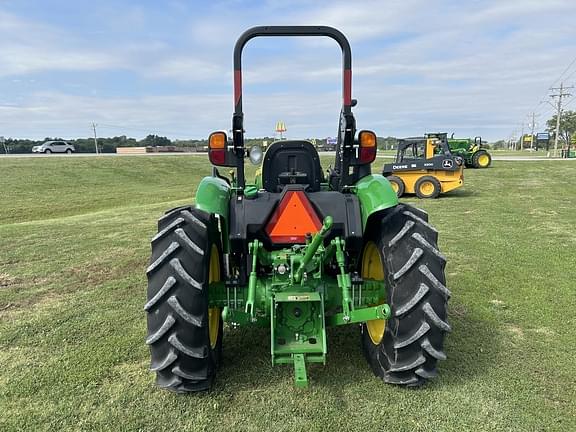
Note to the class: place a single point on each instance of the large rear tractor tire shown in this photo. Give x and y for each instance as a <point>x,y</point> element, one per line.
<point>401,249</point>
<point>481,159</point>
<point>184,334</point>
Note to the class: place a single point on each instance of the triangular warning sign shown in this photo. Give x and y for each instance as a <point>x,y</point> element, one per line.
<point>293,219</point>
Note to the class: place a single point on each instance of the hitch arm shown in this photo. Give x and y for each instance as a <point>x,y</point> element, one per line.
<point>249,308</point>
<point>344,281</point>
<point>313,247</point>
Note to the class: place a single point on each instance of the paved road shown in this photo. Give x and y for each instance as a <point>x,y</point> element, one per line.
<point>528,158</point>
<point>204,154</point>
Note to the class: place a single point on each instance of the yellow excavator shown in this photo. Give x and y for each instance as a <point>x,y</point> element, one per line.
<point>425,166</point>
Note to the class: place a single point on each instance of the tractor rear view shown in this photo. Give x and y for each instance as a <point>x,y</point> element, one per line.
<point>296,253</point>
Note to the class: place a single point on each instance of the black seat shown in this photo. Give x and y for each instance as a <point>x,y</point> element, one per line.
<point>291,162</point>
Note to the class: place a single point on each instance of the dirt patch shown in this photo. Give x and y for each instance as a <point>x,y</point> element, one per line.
<point>516,331</point>
<point>8,310</point>
<point>458,310</point>
<point>7,280</point>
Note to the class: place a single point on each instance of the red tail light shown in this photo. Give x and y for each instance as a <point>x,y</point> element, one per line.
<point>217,157</point>
<point>293,219</point>
<point>368,146</point>
<point>217,148</point>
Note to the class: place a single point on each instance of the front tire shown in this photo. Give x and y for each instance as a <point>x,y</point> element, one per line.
<point>401,249</point>
<point>427,187</point>
<point>184,334</point>
<point>481,159</point>
<point>47,151</point>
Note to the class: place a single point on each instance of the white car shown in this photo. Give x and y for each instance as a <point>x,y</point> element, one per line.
<point>54,147</point>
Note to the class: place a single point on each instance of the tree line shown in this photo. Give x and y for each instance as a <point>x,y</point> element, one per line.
<point>87,145</point>
<point>109,144</point>
<point>567,135</point>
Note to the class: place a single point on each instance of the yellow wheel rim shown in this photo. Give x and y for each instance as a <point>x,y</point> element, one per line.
<point>483,160</point>
<point>395,187</point>
<point>214,313</point>
<point>427,188</point>
<point>372,268</point>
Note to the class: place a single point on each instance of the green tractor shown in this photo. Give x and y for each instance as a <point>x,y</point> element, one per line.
<point>471,151</point>
<point>296,252</point>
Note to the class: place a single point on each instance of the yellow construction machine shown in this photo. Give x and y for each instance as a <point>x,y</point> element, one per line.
<point>425,166</point>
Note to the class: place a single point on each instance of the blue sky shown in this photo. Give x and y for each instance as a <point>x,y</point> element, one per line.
<point>134,68</point>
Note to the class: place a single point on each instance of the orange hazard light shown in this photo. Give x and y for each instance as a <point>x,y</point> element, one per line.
<point>293,219</point>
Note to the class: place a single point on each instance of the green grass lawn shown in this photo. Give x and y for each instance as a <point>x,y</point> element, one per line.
<point>74,245</point>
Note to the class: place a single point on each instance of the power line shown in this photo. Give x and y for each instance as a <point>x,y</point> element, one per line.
<point>556,80</point>
<point>564,79</point>
<point>561,94</point>
<point>569,103</point>
<point>569,76</point>
<point>565,70</point>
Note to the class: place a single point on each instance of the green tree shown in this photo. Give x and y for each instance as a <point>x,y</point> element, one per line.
<point>567,125</point>
<point>498,145</point>
<point>155,141</point>
<point>387,143</point>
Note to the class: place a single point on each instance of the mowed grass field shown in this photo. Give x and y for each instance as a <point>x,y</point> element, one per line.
<point>74,245</point>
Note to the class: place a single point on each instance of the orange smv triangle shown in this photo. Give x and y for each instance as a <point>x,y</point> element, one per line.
<point>293,219</point>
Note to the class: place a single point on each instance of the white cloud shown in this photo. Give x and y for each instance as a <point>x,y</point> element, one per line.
<point>51,113</point>
<point>28,47</point>
<point>181,116</point>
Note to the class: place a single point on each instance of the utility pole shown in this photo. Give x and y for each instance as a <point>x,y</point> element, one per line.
<point>522,137</point>
<point>532,127</point>
<point>95,137</point>
<point>561,93</point>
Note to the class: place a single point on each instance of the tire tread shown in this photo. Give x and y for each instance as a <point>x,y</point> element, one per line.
<point>177,305</point>
<point>416,292</point>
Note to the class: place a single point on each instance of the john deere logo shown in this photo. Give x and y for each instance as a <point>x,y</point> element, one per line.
<point>447,163</point>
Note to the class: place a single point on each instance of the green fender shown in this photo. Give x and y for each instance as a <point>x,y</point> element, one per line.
<point>213,196</point>
<point>375,193</point>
